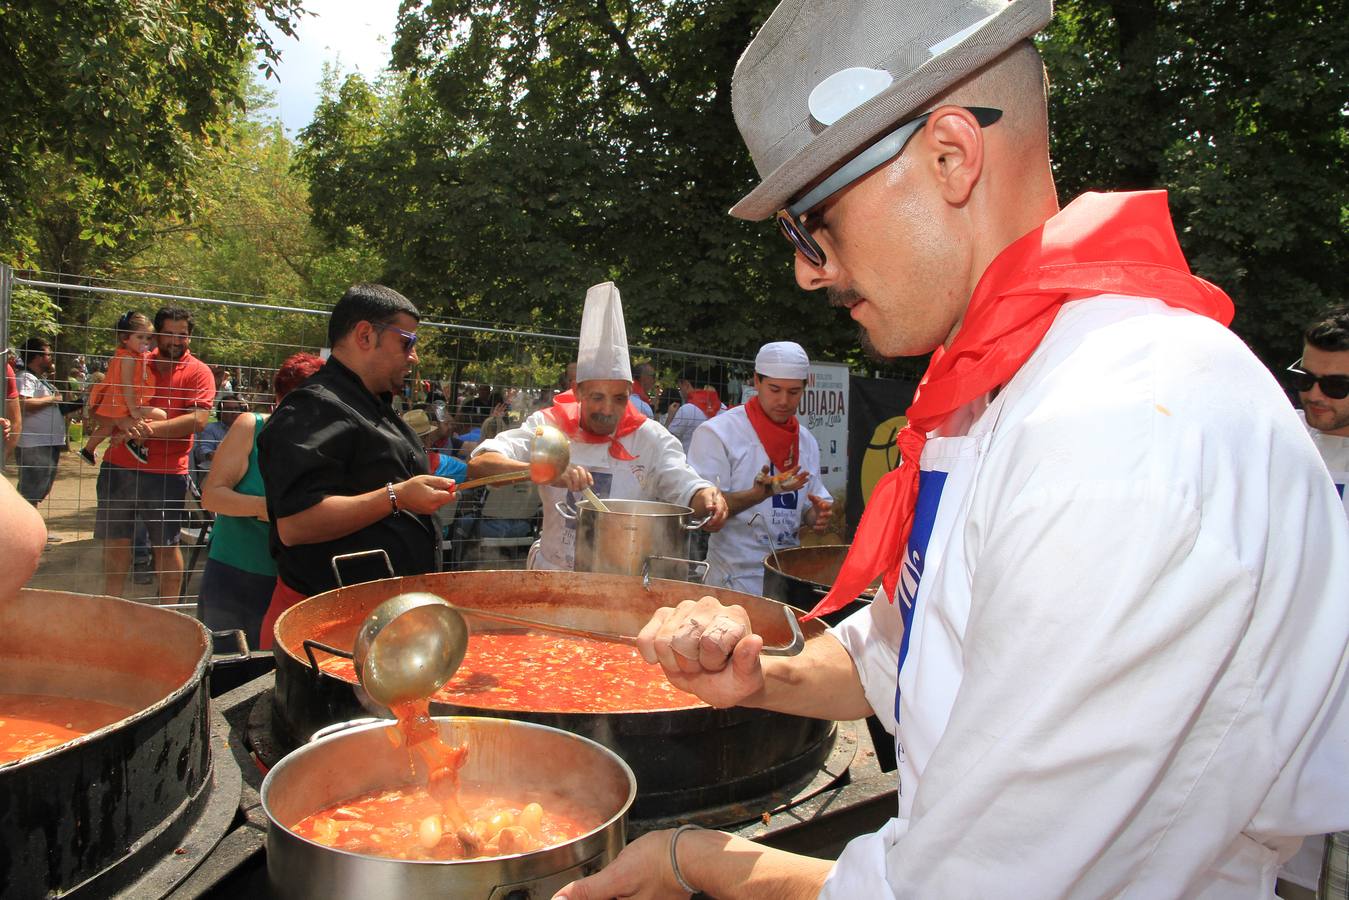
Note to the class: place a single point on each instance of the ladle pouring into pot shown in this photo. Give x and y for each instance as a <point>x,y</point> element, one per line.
<point>413,643</point>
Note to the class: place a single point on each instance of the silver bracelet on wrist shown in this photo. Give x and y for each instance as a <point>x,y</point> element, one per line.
<point>674,856</point>
<point>393,498</point>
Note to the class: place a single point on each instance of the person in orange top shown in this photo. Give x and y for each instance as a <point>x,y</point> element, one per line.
<point>122,399</point>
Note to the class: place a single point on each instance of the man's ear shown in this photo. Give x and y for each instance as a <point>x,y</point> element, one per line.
<point>364,335</point>
<point>955,145</point>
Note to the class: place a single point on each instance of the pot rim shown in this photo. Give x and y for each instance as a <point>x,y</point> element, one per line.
<point>336,736</point>
<point>666,509</point>
<point>145,712</point>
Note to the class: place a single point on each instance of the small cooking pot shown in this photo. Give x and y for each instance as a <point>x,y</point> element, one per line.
<point>506,757</point>
<point>628,533</point>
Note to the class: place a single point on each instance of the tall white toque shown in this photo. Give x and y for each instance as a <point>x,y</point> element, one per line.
<point>604,337</point>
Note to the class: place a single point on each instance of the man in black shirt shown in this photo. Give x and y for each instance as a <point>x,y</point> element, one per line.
<point>343,472</point>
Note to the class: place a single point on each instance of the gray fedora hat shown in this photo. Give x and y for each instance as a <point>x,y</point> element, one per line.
<point>822,78</point>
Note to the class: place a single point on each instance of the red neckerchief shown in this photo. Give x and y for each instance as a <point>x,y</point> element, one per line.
<point>567,417</point>
<point>780,442</point>
<point>641,392</point>
<point>1099,244</point>
<point>707,400</point>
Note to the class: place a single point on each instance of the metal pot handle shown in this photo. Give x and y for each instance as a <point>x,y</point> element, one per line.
<point>311,645</point>
<point>798,640</point>
<point>241,639</point>
<point>343,557</point>
<point>699,566</point>
<point>342,726</point>
<point>772,544</point>
<point>697,523</point>
<point>564,511</point>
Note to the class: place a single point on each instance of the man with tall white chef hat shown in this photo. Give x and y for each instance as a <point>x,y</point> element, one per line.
<point>615,450</point>
<point>768,465</point>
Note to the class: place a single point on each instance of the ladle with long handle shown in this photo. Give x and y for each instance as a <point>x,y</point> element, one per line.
<point>549,456</point>
<point>413,643</point>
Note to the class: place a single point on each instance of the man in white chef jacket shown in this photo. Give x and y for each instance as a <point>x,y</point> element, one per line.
<point>1113,635</point>
<point>768,466</point>
<point>1321,379</point>
<point>615,450</point>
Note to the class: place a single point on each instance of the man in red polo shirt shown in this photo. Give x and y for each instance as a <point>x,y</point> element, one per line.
<point>154,491</point>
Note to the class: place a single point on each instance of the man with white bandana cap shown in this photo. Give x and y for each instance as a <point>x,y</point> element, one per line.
<point>615,450</point>
<point>768,465</point>
<point>1113,641</point>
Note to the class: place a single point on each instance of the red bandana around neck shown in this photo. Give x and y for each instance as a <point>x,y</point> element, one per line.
<point>641,392</point>
<point>707,400</point>
<point>1121,243</point>
<point>781,442</point>
<point>566,415</point>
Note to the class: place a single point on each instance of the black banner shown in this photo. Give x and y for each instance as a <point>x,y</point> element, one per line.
<point>875,416</point>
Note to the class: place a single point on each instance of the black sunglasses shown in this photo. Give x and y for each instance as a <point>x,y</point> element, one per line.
<point>1336,387</point>
<point>792,218</point>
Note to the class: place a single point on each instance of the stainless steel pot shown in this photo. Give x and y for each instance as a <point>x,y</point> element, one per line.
<point>620,540</point>
<point>504,756</point>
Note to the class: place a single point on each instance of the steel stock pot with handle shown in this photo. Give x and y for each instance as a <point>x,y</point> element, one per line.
<point>514,760</point>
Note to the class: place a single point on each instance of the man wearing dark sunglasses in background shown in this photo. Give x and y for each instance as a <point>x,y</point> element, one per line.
<point>1113,634</point>
<point>343,472</point>
<point>1321,379</point>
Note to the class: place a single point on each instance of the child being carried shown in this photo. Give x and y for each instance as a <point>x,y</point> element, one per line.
<point>121,400</point>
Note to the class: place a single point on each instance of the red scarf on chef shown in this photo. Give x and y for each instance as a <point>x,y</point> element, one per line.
<point>707,400</point>
<point>1099,244</point>
<point>566,415</point>
<point>641,392</point>
<point>780,442</point>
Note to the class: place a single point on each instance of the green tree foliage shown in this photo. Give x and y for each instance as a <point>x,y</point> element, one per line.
<point>1237,107</point>
<point>529,150</point>
<point>250,240</point>
<point>105,107</point>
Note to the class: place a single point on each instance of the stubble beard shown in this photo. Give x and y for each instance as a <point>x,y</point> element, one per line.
<point>845,299</point>
<point>1332,421</point>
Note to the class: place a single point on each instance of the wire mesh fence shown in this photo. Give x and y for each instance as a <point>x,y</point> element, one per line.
<point>471,380</point>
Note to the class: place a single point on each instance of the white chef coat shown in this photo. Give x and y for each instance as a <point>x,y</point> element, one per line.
<point>659,472</point>
<point>1125,667</point>
<point>726,451</point>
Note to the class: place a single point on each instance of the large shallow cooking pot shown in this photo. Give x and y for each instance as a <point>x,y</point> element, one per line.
<point>620,540</point>
<point>684,759</point>
<point>505,758</point>
<point>74,816</point>
<point>801,576</point>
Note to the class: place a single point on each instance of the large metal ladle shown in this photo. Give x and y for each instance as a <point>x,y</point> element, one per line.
<point>549,456</point>
<point>408,647</point>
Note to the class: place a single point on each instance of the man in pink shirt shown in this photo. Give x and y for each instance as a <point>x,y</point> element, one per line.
<point>154,491</point>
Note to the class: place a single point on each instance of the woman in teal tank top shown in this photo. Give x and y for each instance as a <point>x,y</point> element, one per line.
<point>239,577</point>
